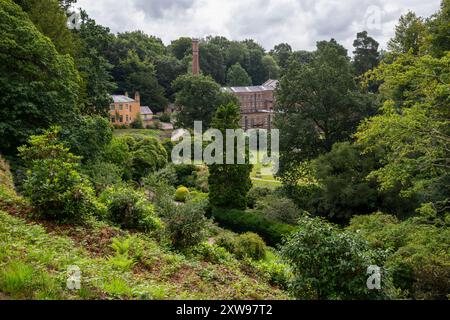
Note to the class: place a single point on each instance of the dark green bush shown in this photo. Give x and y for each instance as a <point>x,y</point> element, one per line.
<point>279,209</point>
<point>130,209</point>
<point>53,184</point>
<point>103,174</point>
<point>255,194</point>
<point>252,221</point>
<point>420,259</point>
<point>331,264</point>
<point>185,223</point>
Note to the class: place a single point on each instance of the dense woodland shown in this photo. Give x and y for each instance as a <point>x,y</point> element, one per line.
<point>364,155</point>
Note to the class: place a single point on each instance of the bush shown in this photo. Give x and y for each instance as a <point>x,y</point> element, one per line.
<point>250,245</point>
<point>103,174</point>
<point>181,194</point>
<point>137,123</point>
<point>212,253</point>
<point>53,185</point>
<point>330,264</point>
<point>279,209</point>
<point>185,224</point>
<point>255,194</point>
<point>130,209</point>
<point>148,155</point>
<point>420,261</point>
<point>252,221</point>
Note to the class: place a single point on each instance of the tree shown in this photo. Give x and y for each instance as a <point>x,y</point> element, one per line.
<point>238,77</point>
<point>50,19</point>
<point>212,62</point>
<point>413,127</point>
<point>282,53</point>
<point>199,97</point>
<point>87,137</point>
<point>439,31</point>
<point>409,34</point>
<point>169,68</point>
<point>95,41</point>
<point>271,68</point>
<point>134,74</point>
<point>181,47</point>
<point>317,106</point>
<point>229,184</point>
<point>366,56</point>
<point>39,86</point>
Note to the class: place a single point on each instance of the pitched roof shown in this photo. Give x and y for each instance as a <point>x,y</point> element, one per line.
<point>269,85</point>
<point>121,99</point>
<point>146,110</point>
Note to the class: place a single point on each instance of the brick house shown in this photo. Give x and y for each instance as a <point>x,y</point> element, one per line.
<point>124,110</point>
<point>146,115</point>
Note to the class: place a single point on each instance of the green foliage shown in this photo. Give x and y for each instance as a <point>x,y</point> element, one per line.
<point>250,245</point>
<point>279,209</point>
<point>121,259</point>
<point>438,30</point>
<point>366,56</point>
<point>238,77</point>
<point>185,224</point>
<point>23,281</point>
<point>419,260</point>
<point>147,156</point>
<point>318,105</point>
<point>413,128</point>
<point>130,209</point>
<point>409,35</point>
<point>200,97</point>
<point>252,221</point>
<point>138,123</point>
<point>246,245</point>
<point>181,194</point>
<point>229,184</point>
<point>255,194</point>
<point>330,264</point>
<point>32,105</point>
<point>87,136</point>
<point>103,174</point>
<point>53,185</point>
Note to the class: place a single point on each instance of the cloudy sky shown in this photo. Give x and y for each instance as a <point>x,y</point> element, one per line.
<point>299,22</point>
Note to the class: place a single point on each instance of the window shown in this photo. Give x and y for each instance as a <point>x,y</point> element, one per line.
<point>113,119</point>
<point>120,106</point>
<point>126,107</point>
<point>121,119</point>
<point>127,118</point>
<point>112,107</point>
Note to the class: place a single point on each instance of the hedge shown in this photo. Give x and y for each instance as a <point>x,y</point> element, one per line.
<point>252,221</point>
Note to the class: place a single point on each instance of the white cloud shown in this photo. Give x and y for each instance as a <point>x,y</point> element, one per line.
<point>299,22</point>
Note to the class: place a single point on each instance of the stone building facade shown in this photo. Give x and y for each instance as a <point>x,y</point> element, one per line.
<point>256,103</point>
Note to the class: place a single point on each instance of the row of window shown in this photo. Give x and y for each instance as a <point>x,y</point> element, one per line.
<point>119,119</point>
<point>121,106</point>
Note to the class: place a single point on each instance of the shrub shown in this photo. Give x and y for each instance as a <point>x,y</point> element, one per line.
<point>279,209</point>
<point>253,221</point>
<point>212,253</point>
<point>255,194</point>
<point>148,155</point>
<point>130,209</point>
<point>54,186</point>
<point>420,261</point>
<point>103,174</point>
<point>330,264</point>
<point>185,224</point>
<point>137,123</point>
<point>250,245</point>
<point>181,194</point>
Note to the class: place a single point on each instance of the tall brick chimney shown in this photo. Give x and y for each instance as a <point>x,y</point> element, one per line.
<point>195,57</point>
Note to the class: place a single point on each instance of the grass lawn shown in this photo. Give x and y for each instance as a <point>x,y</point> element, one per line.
<point>146,132</point>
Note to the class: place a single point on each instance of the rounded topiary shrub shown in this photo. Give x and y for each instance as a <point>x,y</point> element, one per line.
<point>130,209</point>
<point>250,245</point>
<point>181,194</point>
